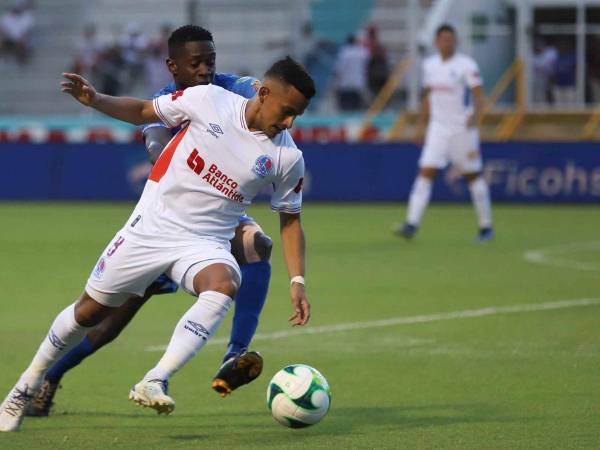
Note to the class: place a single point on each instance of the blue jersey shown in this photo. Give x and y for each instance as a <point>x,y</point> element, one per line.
<point>244,86</point>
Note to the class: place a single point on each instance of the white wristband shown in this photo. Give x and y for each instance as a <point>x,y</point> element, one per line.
<point>297,279</point>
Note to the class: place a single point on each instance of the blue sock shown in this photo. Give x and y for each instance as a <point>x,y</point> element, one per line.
<point>248,305</point>
<point>70,360</point>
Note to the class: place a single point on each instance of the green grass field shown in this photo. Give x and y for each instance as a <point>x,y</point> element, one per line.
<point>526,377</point>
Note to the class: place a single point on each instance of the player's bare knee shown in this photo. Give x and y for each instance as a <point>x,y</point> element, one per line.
<point>428,172</point>
<point>219,278</point>
<point>88,312</point>
<point>263,246</point>
<point>472,176</point>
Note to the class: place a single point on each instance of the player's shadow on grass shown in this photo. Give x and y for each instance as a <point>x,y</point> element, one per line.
<point>422,416</point>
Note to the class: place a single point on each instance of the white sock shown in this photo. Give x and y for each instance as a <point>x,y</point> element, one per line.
<point>196,326</point>
<point>480,195</point>
<point>418,200</point>
<point>64,334</point>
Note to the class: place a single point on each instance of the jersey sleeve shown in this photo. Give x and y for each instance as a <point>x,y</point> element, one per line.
<point>287,195</point>
<point>246,86</point>
<point>472,75</point>
<point>168,89</point>
<point>178,107</point>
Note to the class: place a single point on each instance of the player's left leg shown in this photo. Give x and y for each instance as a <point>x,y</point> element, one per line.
<point>104,333</point>
<point>68,328</point>
<point>480,196</point>
<point>467,157</point>
<point>252,250</point>
<point>215,280</point>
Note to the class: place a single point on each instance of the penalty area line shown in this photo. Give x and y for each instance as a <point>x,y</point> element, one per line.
<point>558,255</point>
<point>409,320</point>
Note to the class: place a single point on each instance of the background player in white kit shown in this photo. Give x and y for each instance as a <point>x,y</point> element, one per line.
<point>227,151</point>
<point>452,134</point>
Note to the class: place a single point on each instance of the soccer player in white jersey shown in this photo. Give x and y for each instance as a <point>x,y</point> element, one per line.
<point>452,134</point>
<point>228,150</point>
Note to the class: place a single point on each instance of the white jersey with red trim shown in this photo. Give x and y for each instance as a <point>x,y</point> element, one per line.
<point>211,170</point>
<point>449,82</point>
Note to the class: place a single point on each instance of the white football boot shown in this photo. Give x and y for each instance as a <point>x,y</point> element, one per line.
<point>14,407</point>
<point>153,394</point>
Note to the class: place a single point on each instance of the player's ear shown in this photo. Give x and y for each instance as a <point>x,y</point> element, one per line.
<point>171,66</point>
<point>263,93</point>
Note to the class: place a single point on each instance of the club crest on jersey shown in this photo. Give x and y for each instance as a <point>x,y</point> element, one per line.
<point>99,269</point>
<point>263,166</point>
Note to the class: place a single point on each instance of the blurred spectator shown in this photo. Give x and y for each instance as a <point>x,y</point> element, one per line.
<point>110,70</point>
<point>157,73</point>
<point>88,52</point>
<point>544,63</point>
<point>351,75</point>
<point>16,26</point>
<point>564,75</point>
<point>134,45</point>
<point>377,68</point>
<point>593,69</point>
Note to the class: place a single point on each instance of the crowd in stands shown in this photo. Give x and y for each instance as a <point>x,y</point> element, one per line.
<point>132,63</point>
<point>554,72</point>
<point>16,27</point>
<point>361,70</point>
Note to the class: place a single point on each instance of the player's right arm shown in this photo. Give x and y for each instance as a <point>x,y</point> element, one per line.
<point>422,117</point>
<point>424,109</point>
<point>127,109</point>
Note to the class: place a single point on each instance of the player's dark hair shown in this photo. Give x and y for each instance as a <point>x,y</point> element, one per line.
<point>445,27</point>
<point>294,74</point>
<point>187,33</point>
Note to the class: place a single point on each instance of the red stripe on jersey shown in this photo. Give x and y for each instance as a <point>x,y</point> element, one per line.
<point>162,164</point>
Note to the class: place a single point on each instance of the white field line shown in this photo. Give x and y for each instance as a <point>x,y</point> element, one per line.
<point>554,256</point>
<point>410,320</point>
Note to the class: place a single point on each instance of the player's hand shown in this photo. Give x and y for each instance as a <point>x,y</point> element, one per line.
<point>300,305</point>
<point>80,88</point>
<point>419,138</point>
<point>472,121</point>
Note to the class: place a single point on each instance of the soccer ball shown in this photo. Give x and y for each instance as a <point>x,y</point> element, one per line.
<point>298,396</point>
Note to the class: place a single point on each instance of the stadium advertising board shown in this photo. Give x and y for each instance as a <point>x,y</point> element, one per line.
<point>517,172</point>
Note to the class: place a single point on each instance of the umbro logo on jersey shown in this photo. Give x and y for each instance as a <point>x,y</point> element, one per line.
<point>215,129</point>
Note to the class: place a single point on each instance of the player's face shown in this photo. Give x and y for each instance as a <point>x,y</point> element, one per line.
<point>193,64</point>
<point>280,105</point>
<point>446,43</point>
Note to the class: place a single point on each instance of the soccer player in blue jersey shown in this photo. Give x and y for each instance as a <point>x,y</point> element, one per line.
<point>191,61</point>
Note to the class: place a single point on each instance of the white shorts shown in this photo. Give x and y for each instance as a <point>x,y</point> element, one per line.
<point>459,147</point>
<point>127,268</point>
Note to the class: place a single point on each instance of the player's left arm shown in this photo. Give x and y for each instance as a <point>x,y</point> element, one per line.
<point>287,200</point>
<point>294,245</point>
<point>474,82</point>
<point>475,119</point>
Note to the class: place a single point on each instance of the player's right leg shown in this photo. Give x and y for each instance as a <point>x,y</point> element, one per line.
<point>466,155</point>
<point>67,330</point>
<point>433,157</point>
<point>214,276</point>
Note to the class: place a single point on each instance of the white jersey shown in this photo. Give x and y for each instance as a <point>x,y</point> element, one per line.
<point>211,170</point>
<point>449,83</point>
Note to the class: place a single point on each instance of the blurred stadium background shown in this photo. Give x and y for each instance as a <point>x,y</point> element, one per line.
<point>538,59</point>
